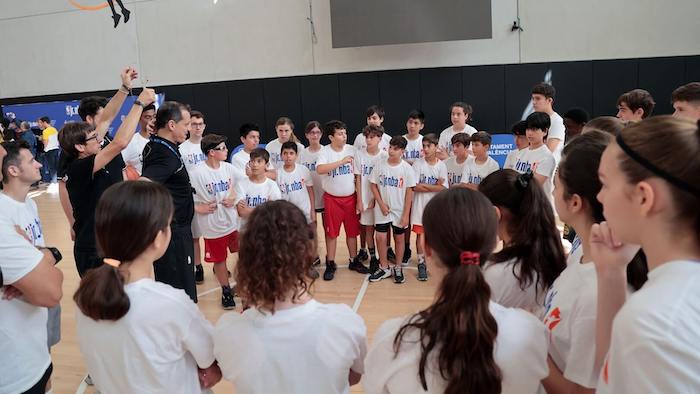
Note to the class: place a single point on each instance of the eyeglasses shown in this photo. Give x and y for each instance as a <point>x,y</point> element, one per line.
<point>314,132</point>
<point>94,137</point>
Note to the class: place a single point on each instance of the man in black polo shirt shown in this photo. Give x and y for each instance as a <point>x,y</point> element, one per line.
<point>162,163</point>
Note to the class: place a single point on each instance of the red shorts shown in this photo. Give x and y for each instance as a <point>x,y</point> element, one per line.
<point>418,229</point>
<point>340,211</point>
<point>215,248</point>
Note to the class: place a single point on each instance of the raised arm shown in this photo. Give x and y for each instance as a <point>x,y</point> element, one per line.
<point>106,117</point>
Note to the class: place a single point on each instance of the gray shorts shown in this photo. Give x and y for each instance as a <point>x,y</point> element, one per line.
<point>53,325</point>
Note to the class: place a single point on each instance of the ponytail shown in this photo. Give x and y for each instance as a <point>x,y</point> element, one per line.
<point>101,294</point>
<point>459,324</point>
<point>535,242</point>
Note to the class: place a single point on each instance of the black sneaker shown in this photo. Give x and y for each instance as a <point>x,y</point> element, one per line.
<point>422,271</point>
<point>227,301</point>
<point>379,274</point>
<point>199,274</point>
<point>362,256</point>
<point>406,257</point>
<point>373,264</point>
<point>398,275</point>
<point>329,273</point>
<point>357,266</point>
<point>390,255</point>
<point>317,261</point>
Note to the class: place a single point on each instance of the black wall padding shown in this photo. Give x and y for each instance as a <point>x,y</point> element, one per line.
<point>498,93</point>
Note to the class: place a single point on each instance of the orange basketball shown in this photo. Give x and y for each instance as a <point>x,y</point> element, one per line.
<point>131,173</point>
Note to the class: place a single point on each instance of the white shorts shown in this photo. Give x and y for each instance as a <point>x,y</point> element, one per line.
<point>196,232</point>
<point>367,217</point>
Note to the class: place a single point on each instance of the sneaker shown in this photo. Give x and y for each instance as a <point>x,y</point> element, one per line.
<point>390,255</point>
<point>379,274</point>
<point>422,272</point>
<point>88,381</point>
<point>317,261</point>
<point>313,273</point>
<point>406,257</point>
<point>362,256</point>
<point>373,264</point>
<point>199,274</point>
<point>329,273</point>
<point>357,266</point>
<point>398,275</point>
<point>227,301</point>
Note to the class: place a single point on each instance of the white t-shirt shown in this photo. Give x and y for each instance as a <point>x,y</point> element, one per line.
<point>428,174</point>
<point>255,194</point>
<point>192,155</point>
<point>308,159</point>
<point>511,159</point>
<point>570,316</point>
<point>506,290</point>
<point>474,172</point>
<point>155,348</point>
<point>24,354</point>
<point>361,142</point>
<point>558,131</point>
<point>392,181</point>
<point>274,148</point>
<point>655,344</point>
<point>364,164</point>
<point>540,161</point>
<point>445,140</point>
<point>215,185</point>
<point>306,349</point>
<point>576,252</point>
<point>414,149</point>
<point>293,187</point>
<point>133,153</point>
<point>455,170</point>
<point>341,181</point>
<point>520,353</point>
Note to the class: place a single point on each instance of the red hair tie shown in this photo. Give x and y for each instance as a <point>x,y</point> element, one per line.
<point>469,258</point>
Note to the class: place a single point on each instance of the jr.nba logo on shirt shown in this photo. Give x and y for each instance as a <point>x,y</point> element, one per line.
<point>391,181</point>
<point>254,201</point>
<point>295,186</point>
<point>345,169</point>
<point>523,166</point>
<point>218,187</point>
<point>411,155</point>
<point>553,317</point>
<point>34,231</point>
<point>310,166</point>
<point>195,158</point>
<point>429,180</point>
<point>367,170</point>
<point>475,179</point>
<point>454,178</point>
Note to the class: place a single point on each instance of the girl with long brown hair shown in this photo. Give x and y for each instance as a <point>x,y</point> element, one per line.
<point>650,196</point>
<point>286,342</point>
<point>450,346</point>
<point>136,334</point>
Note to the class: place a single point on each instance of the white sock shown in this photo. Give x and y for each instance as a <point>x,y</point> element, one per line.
<point>421,258</point>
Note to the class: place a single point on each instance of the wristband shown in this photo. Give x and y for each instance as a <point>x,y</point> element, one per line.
<point>139,103</point>
<point>54,252</point>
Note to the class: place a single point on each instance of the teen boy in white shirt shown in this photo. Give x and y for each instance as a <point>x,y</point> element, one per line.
<point>375,117</point>
<point>537,157</point>
<point>459,116</point>
<point>481,165</point>
<point>542,101</point>
<point>414,139</point>
<point>256,188</point>
<point>215,209</point>
<point>392,184</point>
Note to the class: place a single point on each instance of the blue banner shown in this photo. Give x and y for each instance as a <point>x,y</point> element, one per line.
<point>501,145</point>
<point>62,112</point>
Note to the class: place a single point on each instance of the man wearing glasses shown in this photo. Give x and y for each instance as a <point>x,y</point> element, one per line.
<point>163,163</point>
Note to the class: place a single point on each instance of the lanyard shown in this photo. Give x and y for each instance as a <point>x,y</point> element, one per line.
<point>158,141</point>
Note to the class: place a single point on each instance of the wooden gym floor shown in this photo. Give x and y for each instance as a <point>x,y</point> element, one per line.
<point>375,302</point>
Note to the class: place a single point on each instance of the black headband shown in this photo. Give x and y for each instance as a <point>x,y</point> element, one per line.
<point>679,183</point>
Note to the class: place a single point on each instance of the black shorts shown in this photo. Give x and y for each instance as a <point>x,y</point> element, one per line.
<point>40,386</point>
<point>384,228</point>
<point>176,267</point>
